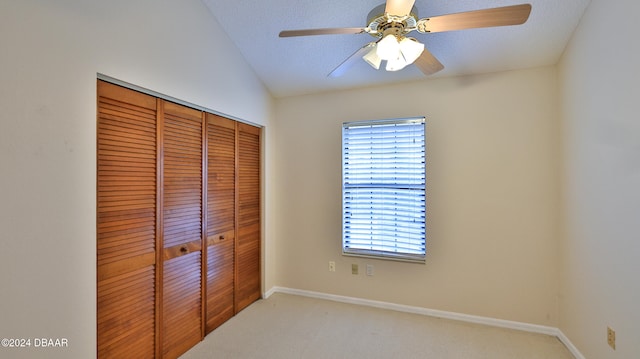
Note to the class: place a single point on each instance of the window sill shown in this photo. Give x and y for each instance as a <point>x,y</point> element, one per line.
<point>385,256</point>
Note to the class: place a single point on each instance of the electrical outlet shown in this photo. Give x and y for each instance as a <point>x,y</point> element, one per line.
<point>369,269</point>
<point>354,269</point>
<point>332,266</point>
<point>611,338</point>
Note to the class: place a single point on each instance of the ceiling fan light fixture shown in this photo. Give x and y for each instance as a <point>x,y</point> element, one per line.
<point>372,58</point>
<point>396,64</point>
<point>411,49</point>
<point>388,48</point>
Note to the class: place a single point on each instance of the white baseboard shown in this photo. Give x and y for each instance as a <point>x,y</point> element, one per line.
<point>533,328</point>
<point>268,293</point>
<point>567,343</point>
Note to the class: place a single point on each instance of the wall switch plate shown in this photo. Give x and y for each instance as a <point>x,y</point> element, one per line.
<point>611,338</point>
<point>332,266</point>
<point>354,269</point>
<point>369,269</point>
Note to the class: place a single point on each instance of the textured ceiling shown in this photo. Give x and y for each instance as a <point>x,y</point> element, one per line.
<point>299,65</point>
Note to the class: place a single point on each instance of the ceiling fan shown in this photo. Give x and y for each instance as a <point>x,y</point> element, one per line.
<point>390,22</point>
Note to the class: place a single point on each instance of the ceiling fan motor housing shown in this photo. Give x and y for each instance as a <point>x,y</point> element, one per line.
<point>380,24</point>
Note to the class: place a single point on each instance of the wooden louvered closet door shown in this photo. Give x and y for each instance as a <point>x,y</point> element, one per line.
<point>182,208</point>
<point>178,223</point>
<point>221,198</point>
<point>248,275</point>
<point>126,223</point>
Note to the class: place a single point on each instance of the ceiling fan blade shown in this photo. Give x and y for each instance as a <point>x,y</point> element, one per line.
<point>427,63</point>
<point>500,16</point>
<point>399,7</point>
<point>351,60</point>
<point>328,31</point>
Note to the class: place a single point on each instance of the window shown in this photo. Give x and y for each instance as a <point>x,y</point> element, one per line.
<point>383,189</point>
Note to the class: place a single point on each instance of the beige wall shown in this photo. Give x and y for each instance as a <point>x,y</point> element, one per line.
<point>493,198</point>
<point>512,160</point>
<point>51,53</point>
<point>599,79</point>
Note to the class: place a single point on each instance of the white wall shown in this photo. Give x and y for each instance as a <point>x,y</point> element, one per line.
<point>51,53</point>
<point>493,195</point>
<point>599,80</point>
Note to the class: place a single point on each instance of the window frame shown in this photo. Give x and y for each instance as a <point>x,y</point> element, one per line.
<point>382,254</point>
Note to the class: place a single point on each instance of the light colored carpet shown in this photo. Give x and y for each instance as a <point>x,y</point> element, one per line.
<point>289,326</point>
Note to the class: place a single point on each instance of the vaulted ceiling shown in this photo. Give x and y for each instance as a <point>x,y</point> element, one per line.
<point>299,65</point>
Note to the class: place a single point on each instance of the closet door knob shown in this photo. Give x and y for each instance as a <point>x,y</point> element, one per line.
<point>221,237</point>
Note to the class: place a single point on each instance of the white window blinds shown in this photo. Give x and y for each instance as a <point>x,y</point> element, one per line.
<point>383,189</point>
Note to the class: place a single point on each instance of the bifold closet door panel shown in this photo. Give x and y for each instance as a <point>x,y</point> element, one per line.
<point>221,199</point>
<point>182,205</point>
<point>248,288</point>
<point>126,223</point>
